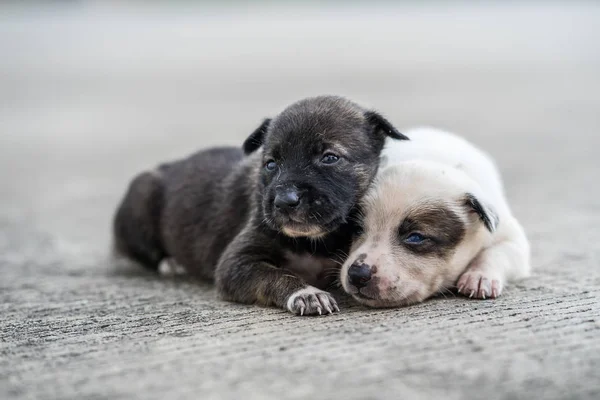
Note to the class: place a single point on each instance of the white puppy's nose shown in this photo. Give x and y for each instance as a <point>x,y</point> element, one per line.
<point>359,274</point>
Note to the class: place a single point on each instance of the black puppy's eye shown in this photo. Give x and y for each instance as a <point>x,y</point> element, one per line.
<point>270,165</point>
<point>330,158</point>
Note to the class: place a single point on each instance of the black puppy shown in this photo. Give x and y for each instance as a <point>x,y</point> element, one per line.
<point>265,225</point>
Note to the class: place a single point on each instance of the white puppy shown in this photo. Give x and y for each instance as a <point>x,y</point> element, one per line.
<point>436,218</point>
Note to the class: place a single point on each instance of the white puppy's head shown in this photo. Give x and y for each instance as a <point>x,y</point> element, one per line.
<point>423,223</point>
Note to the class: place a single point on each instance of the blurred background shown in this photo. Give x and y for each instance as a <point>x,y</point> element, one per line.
<point>92,92</point>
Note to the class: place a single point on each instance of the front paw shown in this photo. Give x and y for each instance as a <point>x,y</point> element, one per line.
<point>311,301</point>
<point>478,284</point>
<point>170,267</point>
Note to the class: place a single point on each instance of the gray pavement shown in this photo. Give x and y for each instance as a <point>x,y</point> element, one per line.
<point>90,94</point>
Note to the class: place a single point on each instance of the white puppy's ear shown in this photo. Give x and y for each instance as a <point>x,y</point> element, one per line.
<point>256,138</point>
<point>486,213</point>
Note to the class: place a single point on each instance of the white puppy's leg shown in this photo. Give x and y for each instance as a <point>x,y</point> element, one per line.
<point>487,274</point>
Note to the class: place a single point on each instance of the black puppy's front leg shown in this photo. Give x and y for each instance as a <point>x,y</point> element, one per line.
<point>249,272</point>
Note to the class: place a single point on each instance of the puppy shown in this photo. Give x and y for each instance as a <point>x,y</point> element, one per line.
<point>265,225</point>
<point>435,218</point>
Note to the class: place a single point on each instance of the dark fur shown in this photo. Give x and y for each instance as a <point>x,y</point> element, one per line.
<point>486,214</point>
<point>256,138</point>
<point>213,212</point>
<point>189,209</point>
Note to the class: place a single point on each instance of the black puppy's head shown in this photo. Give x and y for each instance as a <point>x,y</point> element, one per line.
<point>319,157</point>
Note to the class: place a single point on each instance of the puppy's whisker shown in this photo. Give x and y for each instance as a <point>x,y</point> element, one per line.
<point>403,296</point>
<point>338,262</point>
<point>342,255</point>
<point>334,284</point>
<point>447,290</point>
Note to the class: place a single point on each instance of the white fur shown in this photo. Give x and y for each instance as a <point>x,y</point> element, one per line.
<point>430,144</point>
<point>170,267</point>
<point>437,165</point>
<point>454,151</point>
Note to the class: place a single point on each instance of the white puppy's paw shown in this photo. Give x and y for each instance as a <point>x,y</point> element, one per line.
<point>477,283</point>
<point>311,301</point>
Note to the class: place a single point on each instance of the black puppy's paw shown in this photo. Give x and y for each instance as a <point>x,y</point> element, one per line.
<point>312,301</point>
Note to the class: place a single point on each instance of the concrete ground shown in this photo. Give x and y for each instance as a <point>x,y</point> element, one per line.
<point>91,94</point>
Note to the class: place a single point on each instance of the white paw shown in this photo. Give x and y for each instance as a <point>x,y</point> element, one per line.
<point>479,284</point>
<point>169,267</point>
<point>311,301</point>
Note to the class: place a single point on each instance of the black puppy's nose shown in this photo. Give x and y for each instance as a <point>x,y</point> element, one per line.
<point>287,200</point>
<point>359,275</point>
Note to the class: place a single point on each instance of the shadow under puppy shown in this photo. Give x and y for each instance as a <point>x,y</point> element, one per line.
<point>435,218</point>
<point>265,225</point>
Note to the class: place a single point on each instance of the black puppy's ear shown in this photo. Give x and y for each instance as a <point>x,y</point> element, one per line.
<point>256,138</point>
<point>380,124</point>
<point>486,214</point>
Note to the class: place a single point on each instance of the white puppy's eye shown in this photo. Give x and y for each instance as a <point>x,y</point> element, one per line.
<point>415,238</point>
<point>330,158</point>
<point>359,230</point>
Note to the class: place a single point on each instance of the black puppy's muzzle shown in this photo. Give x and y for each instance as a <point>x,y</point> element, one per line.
<point>359,274</point>
<point>288,199</point>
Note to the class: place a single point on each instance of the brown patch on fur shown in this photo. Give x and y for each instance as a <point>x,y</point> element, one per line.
<point>442,227</point>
